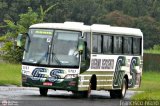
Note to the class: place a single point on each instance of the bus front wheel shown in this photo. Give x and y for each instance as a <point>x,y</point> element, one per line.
<point>84,94</point>
<point>43,91</point>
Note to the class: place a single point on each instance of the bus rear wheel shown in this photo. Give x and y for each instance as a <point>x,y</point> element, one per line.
<point>119,93</point>
<point>43,91</point>
<point>123,90</point>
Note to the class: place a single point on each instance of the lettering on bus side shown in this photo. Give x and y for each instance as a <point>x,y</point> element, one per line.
<point>107,64</point>
<point>95,63</point>
<point>102,63</point>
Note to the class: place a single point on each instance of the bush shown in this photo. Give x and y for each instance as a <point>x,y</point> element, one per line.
<point>11,53</point>
<point>154,50</point>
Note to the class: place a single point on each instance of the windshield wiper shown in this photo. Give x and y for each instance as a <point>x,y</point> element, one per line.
<point>41,59</point>
<point>55,58</point>
<point>45,55</point>
<point>52,53</point>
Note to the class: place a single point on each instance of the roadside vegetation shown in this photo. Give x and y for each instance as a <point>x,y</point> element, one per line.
<point>10,74</point>
<point>154,50</point>
<point>10,52</point>
<point>150,87</point>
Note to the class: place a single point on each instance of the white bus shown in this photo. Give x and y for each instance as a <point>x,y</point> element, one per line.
<point>79,58</point>
<point>116,60</point>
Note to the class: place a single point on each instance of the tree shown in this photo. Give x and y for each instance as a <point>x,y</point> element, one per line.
<point>11,53</point>
<point>150,29</point>
<point>117,18</point>
<point>135,8</point>
<point>44,12</point>
<point>130,13</point>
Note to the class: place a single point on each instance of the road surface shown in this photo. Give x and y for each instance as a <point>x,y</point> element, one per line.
<point>22,96</point>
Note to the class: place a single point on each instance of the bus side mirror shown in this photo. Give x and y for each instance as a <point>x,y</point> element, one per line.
<point>19,40</point>
<point>81,47</point>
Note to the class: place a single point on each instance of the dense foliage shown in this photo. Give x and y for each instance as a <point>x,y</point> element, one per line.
<point>143,14</point>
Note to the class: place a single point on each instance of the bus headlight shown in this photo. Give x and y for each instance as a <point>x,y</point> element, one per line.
<point>71,76</point>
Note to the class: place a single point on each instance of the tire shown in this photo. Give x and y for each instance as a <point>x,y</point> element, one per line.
<point>43,91</point>
<point>84,94</point>
<point>123,90</point>
<point>113,94</point>
<point>92,86</point>
<point>88,95</point>
<point>119,93</point>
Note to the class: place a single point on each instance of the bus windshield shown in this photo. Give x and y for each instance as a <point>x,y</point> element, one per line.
<point>52,47</point>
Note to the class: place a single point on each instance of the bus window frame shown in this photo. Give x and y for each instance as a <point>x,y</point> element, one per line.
<point>122,47</point>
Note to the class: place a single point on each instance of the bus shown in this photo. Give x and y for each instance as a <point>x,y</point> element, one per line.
<point>80,58</point>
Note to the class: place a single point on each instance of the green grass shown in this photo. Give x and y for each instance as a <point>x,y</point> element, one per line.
<point>150,87</point>
<point>10,74</point>
<point>150,51</point>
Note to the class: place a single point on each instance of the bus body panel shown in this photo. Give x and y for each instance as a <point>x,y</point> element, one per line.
<point>53,78</point>
<point>108,75</point>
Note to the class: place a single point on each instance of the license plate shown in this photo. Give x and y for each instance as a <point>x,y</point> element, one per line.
<point>47,83</point>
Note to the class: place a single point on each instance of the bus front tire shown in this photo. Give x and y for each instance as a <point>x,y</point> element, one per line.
<point>43,91</point>
<point>84,94</point>
<point>119,93</point>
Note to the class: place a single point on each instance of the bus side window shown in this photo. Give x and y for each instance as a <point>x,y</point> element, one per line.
<point>117,45</point>
<point>127,45</point>
<point>94,44</point>
<point>100,42</point>
<point>136,46</point>
<point>87,37</point>
<point>97,43</point>
<point>107,44</point>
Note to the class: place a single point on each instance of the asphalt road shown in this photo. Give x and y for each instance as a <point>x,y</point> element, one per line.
<point>21,96</point>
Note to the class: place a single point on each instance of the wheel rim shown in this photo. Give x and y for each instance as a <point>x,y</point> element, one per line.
<point>123,88</point>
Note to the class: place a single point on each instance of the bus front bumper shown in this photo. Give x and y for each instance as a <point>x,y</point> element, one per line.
<point>56,84</point>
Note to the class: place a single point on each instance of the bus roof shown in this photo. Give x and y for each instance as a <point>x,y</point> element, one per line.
<point>100,28</point>
<point>77,26</point>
